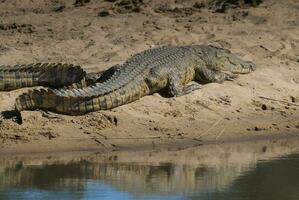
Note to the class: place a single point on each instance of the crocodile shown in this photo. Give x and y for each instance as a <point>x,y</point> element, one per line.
<point>166,70</point>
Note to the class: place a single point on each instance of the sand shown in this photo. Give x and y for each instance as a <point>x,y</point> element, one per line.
<point>98,34</point>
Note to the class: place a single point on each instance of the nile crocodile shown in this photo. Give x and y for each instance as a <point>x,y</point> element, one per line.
<point>164,69</point>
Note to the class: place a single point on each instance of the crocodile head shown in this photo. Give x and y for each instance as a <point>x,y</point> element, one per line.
<point>224,60</point>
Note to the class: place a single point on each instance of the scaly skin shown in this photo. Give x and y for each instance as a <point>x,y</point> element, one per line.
<point>54,75</point>
<point>157,70</point>
<point>39,74</point>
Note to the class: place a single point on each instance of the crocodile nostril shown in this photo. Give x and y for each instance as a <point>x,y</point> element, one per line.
<point>251,65</point>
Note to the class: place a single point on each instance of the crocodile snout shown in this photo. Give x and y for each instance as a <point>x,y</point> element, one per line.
<point>252,66</point>
<point>249,65</point>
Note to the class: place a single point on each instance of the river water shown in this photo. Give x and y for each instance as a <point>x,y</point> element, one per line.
<point>247,171</point>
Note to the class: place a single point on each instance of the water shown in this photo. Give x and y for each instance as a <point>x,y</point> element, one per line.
<point>247,171</point>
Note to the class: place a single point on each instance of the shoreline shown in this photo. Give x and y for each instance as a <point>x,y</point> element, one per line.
<point>180,144</point>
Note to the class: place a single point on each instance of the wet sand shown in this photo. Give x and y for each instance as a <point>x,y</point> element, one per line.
<point>100,34</point>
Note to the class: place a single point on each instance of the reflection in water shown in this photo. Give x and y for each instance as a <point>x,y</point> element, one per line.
<point>273,180</point>
<point>280,175</point>
<point>262,170</point>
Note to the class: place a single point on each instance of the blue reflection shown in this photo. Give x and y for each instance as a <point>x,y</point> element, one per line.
<point>93,190</point>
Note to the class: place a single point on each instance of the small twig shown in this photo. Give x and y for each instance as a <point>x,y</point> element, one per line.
<point>48,115</point>
<point>205,106</point>
<point>101,142</point>
<point>98,141</point>
<point>281,101</point>
<point>207,131</point>
<point>221,132</point>
<point>195,139</point>
<point>105,137</point>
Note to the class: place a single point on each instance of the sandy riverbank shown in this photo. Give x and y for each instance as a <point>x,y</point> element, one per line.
<point>59,31</point>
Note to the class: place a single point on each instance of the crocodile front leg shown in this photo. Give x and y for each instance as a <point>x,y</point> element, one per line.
<point>206,75</point>
<point>176,88</point>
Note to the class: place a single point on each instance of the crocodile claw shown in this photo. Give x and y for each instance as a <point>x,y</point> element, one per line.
<point>231,77</point>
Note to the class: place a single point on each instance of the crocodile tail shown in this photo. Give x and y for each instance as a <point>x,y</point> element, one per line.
<point>17,76</point>
<point>59,75</point>
<point>39,74</point>
<point>46,99</point>
<point>79,85</point>
<point>131,92</point>
<point>24,102</point>
<point>34,99</point>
